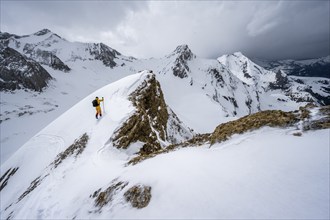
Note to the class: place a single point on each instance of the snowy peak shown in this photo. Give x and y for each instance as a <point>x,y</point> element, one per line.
<point>104,53</point>
<point>246,70</point>
<point>182,55</point>
<point>184,52</point>
<point>42,32</point>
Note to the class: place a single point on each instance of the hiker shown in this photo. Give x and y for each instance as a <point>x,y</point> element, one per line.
<point>96,104</point>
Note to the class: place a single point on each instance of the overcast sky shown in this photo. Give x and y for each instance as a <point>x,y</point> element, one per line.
<point>143,29</point>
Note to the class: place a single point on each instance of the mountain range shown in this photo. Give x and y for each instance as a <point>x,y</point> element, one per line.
<point>179,127</point>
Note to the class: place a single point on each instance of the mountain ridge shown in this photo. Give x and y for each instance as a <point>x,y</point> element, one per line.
<point>220,92</point>
<point>112,181</point>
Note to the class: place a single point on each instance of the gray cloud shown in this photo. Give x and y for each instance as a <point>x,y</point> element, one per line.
<point>264,29</point>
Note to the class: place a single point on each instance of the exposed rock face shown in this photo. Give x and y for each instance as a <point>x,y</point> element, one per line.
<point>151,117</point>
<point>105,197</point>
<point>281,82</point>
<point>49,59</point>
<point>180,67</point>
<point>139,196</point>
<point>6,176</point>
<point>75,149</point>
<point>104,53</point>
<point>18,72</point>
<point>176,132</point>
<point>153,122</point>
<point>42,32</point>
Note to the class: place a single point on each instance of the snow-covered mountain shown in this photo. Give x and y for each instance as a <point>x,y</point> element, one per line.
<point>20,72</point>
<point>319,67</point>
<point>202,92</point>
<point>132,163</point>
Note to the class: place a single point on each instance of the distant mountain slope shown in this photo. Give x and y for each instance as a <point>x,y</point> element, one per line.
<point>311,68</point>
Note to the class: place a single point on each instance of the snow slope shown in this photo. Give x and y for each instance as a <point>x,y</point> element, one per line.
<point>267,173</point>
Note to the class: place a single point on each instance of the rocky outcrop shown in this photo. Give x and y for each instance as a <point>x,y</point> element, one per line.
<point>151,122</point>
<point>180,67</point>
<point>6,176</point>
<point>148,124</point>
<point>49,59</point>
<point>138,195</point>
<point>104,53</point>
<point>42,32</point>
<point>281,81</point>
<point>74,149</point>
<point>102,198</point>
<point>272,118</point>
<point>19,72</point>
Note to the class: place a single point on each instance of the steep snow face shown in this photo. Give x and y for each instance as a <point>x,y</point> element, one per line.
<point>245,69</point>
<point>76,141</point>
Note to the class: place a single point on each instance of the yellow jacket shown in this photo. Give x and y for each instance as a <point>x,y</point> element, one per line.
<point>98,108</point>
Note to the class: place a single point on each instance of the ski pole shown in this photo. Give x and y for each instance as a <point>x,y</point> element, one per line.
<point>103,105</point>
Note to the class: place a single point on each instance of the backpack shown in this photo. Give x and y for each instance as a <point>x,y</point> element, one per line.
<point>95,104</point>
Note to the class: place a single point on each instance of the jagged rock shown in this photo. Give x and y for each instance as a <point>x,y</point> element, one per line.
<point>34,184</point>
<point>151,116</point>
<point>104,53</point>
<point>176,132</point>
<point>6,176</point>
<point>180,67</point>
<point>75,149</point>
<point>281,82</point>
<point>49,59</point>
<point>42,32</point>
<point>19,72</point>
<point>217,76</point>
<point>153,123</point>
<point>105,197</point>
<point>139,196</point>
